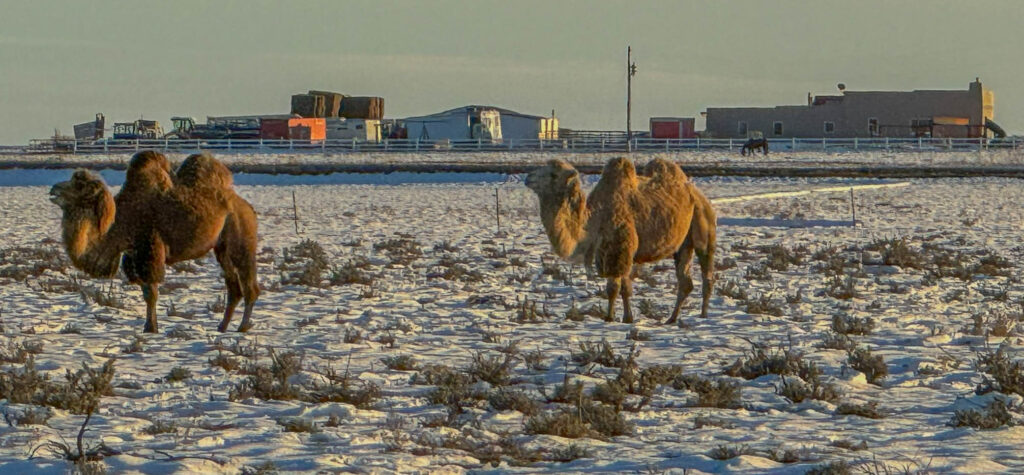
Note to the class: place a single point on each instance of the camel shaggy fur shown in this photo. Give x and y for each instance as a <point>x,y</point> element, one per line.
<point>159,218</point>
<point>628,219</point>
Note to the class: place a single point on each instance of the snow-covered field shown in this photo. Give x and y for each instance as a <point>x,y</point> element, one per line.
<point>443,285</point>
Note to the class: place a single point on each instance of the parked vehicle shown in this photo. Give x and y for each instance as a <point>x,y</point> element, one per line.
<point>138,130</point>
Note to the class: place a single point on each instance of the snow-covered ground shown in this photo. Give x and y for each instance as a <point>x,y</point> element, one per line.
<point>462,298</point>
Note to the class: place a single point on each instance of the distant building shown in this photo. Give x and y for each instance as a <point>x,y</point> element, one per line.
<point>461,123</point>
<point>672,128</point>
<point>919,113</point>
<point>480,122</point>
<point>516,125</point>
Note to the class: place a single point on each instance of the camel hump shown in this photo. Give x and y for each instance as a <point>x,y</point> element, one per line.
<point>149,170</point>
<point>202,170</point>
<point>620,170</point>
<point>665,169</point>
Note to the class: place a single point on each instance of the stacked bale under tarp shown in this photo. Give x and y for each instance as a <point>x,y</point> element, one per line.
<point>308,105</point>
<point>362,108</point>
<point>332,102</point>
<point>304,105</point>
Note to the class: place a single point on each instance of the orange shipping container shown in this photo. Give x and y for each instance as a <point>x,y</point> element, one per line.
<point>313,130</point>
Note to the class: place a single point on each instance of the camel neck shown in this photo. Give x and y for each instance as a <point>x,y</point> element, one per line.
<point>565,219</point>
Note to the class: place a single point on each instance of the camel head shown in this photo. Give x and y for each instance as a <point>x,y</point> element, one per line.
<point>88,209</point>
<point>563,208</point>
<point>85,196</point>
<point>555,178</point>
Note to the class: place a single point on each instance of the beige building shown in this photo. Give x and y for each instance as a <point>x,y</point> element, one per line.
<point>938,113</point>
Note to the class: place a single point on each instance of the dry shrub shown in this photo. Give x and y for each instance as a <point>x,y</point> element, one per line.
<point>726,452</point>
<point>762,304</point>
<point>585,419</point>
<point>869,410</point>
<point>995,415</point>
<point>400,251</point>
<point>304,264</point>
<point>20,263</point>
<point>838,467</point>
<point>178,373</point>
<point>351,272</point>
<point>896,252</point>
<point>733,289</point>
<point>720,393</point>
<point>837,341</point>
<point>161,427</point>
<point>400,362</point>
<point>797,391</point>
<point>19,351</point>
<point>505,399</point>
<point>79,393</point>
<point>1007,376</point>
<point>873,366</point>
<point>851,325</point>
<point>598,353</point>
<point>761,360</point>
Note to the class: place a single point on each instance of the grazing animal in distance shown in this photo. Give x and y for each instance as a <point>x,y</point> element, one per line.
<point>626,220</point>
<point>159,218</point>
<point>752,144</point>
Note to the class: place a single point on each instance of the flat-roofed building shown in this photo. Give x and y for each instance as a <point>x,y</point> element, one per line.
<point>918,113</point>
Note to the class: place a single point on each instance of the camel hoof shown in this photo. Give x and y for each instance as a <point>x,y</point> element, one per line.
<point>222,328</point>
<point>148,329</point>
<point>627,319</point>
<point>244,327</point>
<point>670,321</point>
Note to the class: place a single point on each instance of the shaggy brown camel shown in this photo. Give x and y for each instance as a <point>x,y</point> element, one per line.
<point>628,219</point>
<point>157,219</point>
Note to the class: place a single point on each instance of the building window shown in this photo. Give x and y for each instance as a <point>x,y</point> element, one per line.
<point>777,128</point>
<point>830,127</point>
<point>873,127</point>
<point>741,128</point>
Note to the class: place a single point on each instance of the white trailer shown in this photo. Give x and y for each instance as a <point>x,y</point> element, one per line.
<point>340,128</point>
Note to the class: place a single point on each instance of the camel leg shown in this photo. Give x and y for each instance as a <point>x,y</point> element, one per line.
<point>150,292</point>
<point>684,283</point>
<point>707,269</point>
<point>234,296</point>
<point>627,292</point>
<point>236,253</point>
<point>613,293</point>
<point>250,291</point>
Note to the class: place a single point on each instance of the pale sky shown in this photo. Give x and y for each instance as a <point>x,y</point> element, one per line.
<point>61,61</point>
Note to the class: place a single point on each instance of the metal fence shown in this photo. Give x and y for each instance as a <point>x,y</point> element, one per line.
<point>515,145</point>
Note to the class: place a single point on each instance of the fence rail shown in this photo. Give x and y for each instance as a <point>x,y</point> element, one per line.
<point>514,145</point>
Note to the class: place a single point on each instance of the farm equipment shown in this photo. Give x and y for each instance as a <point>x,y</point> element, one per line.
<point>90,131</point>
<point>216,128</point>
<point>138,130</point>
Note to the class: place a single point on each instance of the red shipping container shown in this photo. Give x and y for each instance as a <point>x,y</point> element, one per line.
<point>672,128</point>
<point>313,130</point>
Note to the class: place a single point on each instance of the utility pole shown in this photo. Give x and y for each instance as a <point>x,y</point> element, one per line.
<point>630,72</point>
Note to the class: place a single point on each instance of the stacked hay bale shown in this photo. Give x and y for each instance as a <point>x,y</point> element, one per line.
<point>332,102</point>
<point>362,108</point>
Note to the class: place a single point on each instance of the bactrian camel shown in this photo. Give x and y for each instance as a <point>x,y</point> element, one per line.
<point>159,218</point>
<point>629,220</point>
